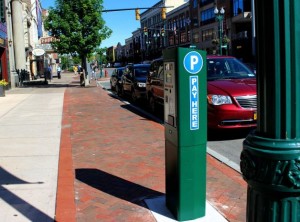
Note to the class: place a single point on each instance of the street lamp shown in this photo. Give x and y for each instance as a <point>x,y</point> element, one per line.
<point>156,35</point>
<point>220,17</point>
<point>148,42</point>
<point>188,22</point>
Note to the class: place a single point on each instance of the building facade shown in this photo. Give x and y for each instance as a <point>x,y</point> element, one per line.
<point>21,33</point>
<point>195,23</point>
<point>4,44</point>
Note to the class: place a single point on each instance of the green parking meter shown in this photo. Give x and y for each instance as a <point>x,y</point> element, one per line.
<point>185,117</point>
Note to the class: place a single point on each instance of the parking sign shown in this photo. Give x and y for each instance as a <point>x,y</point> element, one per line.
<point>193,62</point>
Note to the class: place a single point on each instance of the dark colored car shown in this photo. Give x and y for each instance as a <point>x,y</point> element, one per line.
<point>231,92</point>
<point>155,85</point>
<point>134,80</point>
<point>115,80</point>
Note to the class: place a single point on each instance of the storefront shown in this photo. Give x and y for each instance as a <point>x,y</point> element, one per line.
<point>3,53</point>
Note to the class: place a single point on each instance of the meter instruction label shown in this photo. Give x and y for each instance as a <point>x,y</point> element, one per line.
<point>193,62</point>
<point>194,103</point>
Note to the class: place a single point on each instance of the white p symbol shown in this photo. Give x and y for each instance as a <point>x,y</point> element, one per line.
<point>194,61</point>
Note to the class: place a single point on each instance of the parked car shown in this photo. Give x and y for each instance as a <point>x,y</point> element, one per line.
<point>155,85</point>
<point>117,65</point>
<point>115,79</point>
<point>134,80</point>
<point>251,67</point>
<point>231,92</point>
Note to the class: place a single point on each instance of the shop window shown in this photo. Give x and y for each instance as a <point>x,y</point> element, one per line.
<point>183,37</point>
<point>207,35</point>
<point>2,11</point>
<point>238,7</point>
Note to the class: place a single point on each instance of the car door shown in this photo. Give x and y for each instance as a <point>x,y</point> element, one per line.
<point>127,79</point>
<point>158,87</point>
<point>114,78</point>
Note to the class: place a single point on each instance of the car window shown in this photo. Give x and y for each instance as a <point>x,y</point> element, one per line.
<point>155,67</point>
<point>221,68</point>
<point>141,71</point>
<point>161,72</point>
<point>114,72</point>
<point>120,72</point>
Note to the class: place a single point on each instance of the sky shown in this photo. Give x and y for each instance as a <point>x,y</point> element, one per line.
<point>122,23</point>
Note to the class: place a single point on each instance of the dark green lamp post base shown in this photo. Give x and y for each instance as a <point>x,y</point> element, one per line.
<point>272,171</point>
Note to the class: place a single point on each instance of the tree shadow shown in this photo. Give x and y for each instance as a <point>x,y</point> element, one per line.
<point>116,186</point>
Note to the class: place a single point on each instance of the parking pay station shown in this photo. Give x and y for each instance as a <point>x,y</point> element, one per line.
<point>185,116</point>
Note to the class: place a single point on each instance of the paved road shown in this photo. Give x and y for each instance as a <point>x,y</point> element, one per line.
<point>228,146</point>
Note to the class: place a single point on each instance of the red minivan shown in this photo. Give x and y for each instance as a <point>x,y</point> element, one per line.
<point>231,93</point>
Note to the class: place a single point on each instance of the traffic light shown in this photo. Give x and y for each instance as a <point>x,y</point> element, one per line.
<point>162,31</point>
<point>163,13</point>
<point>137,14</point>
<point>145,31</point>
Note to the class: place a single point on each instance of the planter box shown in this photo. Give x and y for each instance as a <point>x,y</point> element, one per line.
<point>2,91</point>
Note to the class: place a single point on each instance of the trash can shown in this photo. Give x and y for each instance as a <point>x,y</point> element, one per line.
<point>82,79</point>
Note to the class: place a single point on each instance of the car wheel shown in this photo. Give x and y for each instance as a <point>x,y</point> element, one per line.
<point>133,95</point>
<point>111,86</point>
<point>152,104</point>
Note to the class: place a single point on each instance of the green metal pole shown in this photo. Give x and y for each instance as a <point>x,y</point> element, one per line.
<point>270,160</point>
<point>220,34</point>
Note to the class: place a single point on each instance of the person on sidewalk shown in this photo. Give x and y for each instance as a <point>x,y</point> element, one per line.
<point>93,75</point>
<point>75,69</point>
<point>49,72</point>
<point>58,72</point>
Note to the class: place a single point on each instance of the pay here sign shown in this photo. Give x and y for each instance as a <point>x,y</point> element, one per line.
<point>193,63</point>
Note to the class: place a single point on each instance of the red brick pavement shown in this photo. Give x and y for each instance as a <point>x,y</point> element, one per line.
<point>112,158</point>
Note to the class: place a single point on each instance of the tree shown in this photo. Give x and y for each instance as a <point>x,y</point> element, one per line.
<point>77,26</point>
<point>101,55</point>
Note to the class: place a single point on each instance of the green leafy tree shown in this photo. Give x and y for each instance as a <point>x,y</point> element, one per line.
<point>77,26</point>
<point>101,55</point>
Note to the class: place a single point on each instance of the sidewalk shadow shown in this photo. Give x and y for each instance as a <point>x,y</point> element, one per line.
<point>22,206</point>
<point>140,108</point>
<point>116,186</point>
<point>52,85</point>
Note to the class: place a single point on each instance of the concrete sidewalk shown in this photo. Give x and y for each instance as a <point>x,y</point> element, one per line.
<point>75,153</point>
<point>30,130</point>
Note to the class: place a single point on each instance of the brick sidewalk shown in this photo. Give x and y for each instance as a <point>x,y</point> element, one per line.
<point>112,158</point>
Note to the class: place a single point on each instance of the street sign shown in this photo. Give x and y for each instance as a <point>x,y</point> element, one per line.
<point>193,62</point>
<point>38,52</point>
<point>194,103</point>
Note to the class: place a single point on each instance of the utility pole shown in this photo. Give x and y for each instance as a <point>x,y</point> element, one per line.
<point>270,160</point>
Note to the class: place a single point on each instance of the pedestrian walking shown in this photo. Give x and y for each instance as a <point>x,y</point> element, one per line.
<point>49,72</point>
<point>93,75</point>
<point>58,72</point>
<point>75,69</point>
